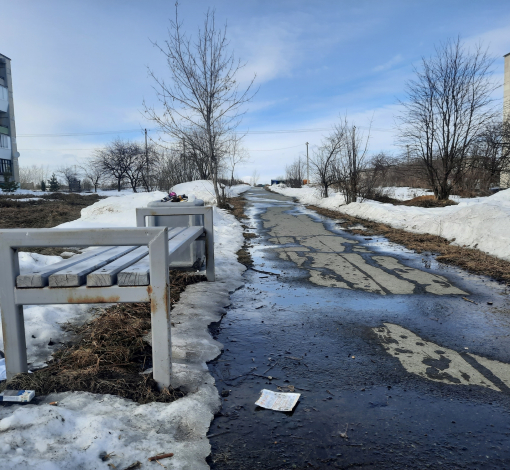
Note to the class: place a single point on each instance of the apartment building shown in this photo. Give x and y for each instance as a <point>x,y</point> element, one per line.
<point>8,147</point>
<point>504,181</point>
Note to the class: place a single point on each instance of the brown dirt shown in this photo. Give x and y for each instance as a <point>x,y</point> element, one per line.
<point>420,201</point>
<point>108,355</point>
<point>428,201</point>
<point>46,212</point>
<point>236,207</point>
<point>472,260</point>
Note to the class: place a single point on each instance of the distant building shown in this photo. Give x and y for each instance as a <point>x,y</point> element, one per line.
<point>8,147</point>
<point>504,180</point>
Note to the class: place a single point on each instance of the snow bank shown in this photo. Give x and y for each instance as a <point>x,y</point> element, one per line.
<point>203,189</point>
<point>83,425</point>
<point>482,223</point>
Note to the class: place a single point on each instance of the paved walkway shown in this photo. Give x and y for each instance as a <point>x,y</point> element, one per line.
<point>401,362</point>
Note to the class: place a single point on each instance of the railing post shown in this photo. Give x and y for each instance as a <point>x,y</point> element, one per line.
<point>160,309</point>
<point>140,218</point>
<point>13,324</point>
<point>209,243</point>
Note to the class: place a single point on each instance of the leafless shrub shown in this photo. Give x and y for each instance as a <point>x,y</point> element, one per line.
<point>448,107</point>
<point>295,173</point>
<point>324,158</point>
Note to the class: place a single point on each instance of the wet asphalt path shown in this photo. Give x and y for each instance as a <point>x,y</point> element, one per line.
<point>396,369</point>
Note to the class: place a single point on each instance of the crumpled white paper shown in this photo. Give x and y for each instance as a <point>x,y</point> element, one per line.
<point>278,401</point>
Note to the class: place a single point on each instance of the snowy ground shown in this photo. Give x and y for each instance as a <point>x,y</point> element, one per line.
<point>83,425</point>
<point>482,222</point>
<point>201,189</point>
<point>100,192</point>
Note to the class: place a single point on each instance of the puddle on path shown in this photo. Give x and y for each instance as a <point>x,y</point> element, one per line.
<point>329,345</point>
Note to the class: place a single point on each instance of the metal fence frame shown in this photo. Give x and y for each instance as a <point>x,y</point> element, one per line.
<point>157,293</point>
<point>206,211</point>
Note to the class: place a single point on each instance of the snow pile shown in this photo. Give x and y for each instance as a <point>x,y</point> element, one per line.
<point>405,193</point>
<point>482,223</point>
<point>204,189</point>
<point>84,425</point>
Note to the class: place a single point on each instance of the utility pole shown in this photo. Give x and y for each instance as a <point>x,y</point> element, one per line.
<point>407,153</point>
<point>147,162</point>
<point>307,166</point>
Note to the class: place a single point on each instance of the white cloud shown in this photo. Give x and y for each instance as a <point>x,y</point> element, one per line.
<point>496,40</point>
<point>388,65</point>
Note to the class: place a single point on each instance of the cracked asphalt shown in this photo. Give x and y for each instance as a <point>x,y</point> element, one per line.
<point>401,362</point>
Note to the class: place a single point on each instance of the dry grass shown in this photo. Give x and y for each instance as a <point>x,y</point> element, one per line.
<point>236,207</point>
<point>472,260</point>
<point>420,201</point>
<point>45,212</point>
<point>108,355</point>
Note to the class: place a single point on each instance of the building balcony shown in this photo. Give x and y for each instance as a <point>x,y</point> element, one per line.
<point>5,166</point>
<point>5,154</point>
<point>4,99</point>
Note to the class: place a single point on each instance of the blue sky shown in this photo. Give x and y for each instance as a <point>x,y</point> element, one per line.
<point>81,66</point>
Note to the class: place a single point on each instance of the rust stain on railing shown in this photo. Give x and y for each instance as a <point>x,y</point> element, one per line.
<point>98,299</point>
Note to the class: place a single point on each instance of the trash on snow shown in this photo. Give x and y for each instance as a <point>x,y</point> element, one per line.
<point>20,396</point>
<point>278,401</point>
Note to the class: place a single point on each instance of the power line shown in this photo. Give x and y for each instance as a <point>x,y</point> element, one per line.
<point>273,150</point>
<point>256,150</point>
<point>128,131</point>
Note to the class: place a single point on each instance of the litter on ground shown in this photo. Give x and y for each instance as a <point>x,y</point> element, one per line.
<point>278,401</point>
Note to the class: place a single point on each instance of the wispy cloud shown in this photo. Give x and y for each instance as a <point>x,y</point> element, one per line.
<point>388,65</point>
<point>495,39</point>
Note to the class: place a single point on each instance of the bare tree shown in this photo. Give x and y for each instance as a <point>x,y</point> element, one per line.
<point>203,97</point>
<point>235,155</point>
<point>121,160</point>
<point>352,171</point>
<point>94,171</point>
<point>31,176</point>
<point>323,160</point>
<point>448,105</point>
<point>254,179</point>
<point>150,163</point>
<point>68,173</point>
<point>491,153</point>
<point>295,173</point>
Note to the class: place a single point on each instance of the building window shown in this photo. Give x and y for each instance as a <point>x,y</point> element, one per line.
<point>4,93</point>
<point>5,166</point>
<point>5,141</point>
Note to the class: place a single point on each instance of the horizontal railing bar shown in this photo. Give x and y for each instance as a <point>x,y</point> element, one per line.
<point>166,211</point>
<point>118,236</point>
<point>81,295</point>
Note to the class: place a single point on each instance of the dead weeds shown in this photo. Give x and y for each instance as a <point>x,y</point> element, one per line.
<point>420,201</point>
<point>108,355</point>
<point>236,207</point>
<point>47,211</point>
<point>470,259</point>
